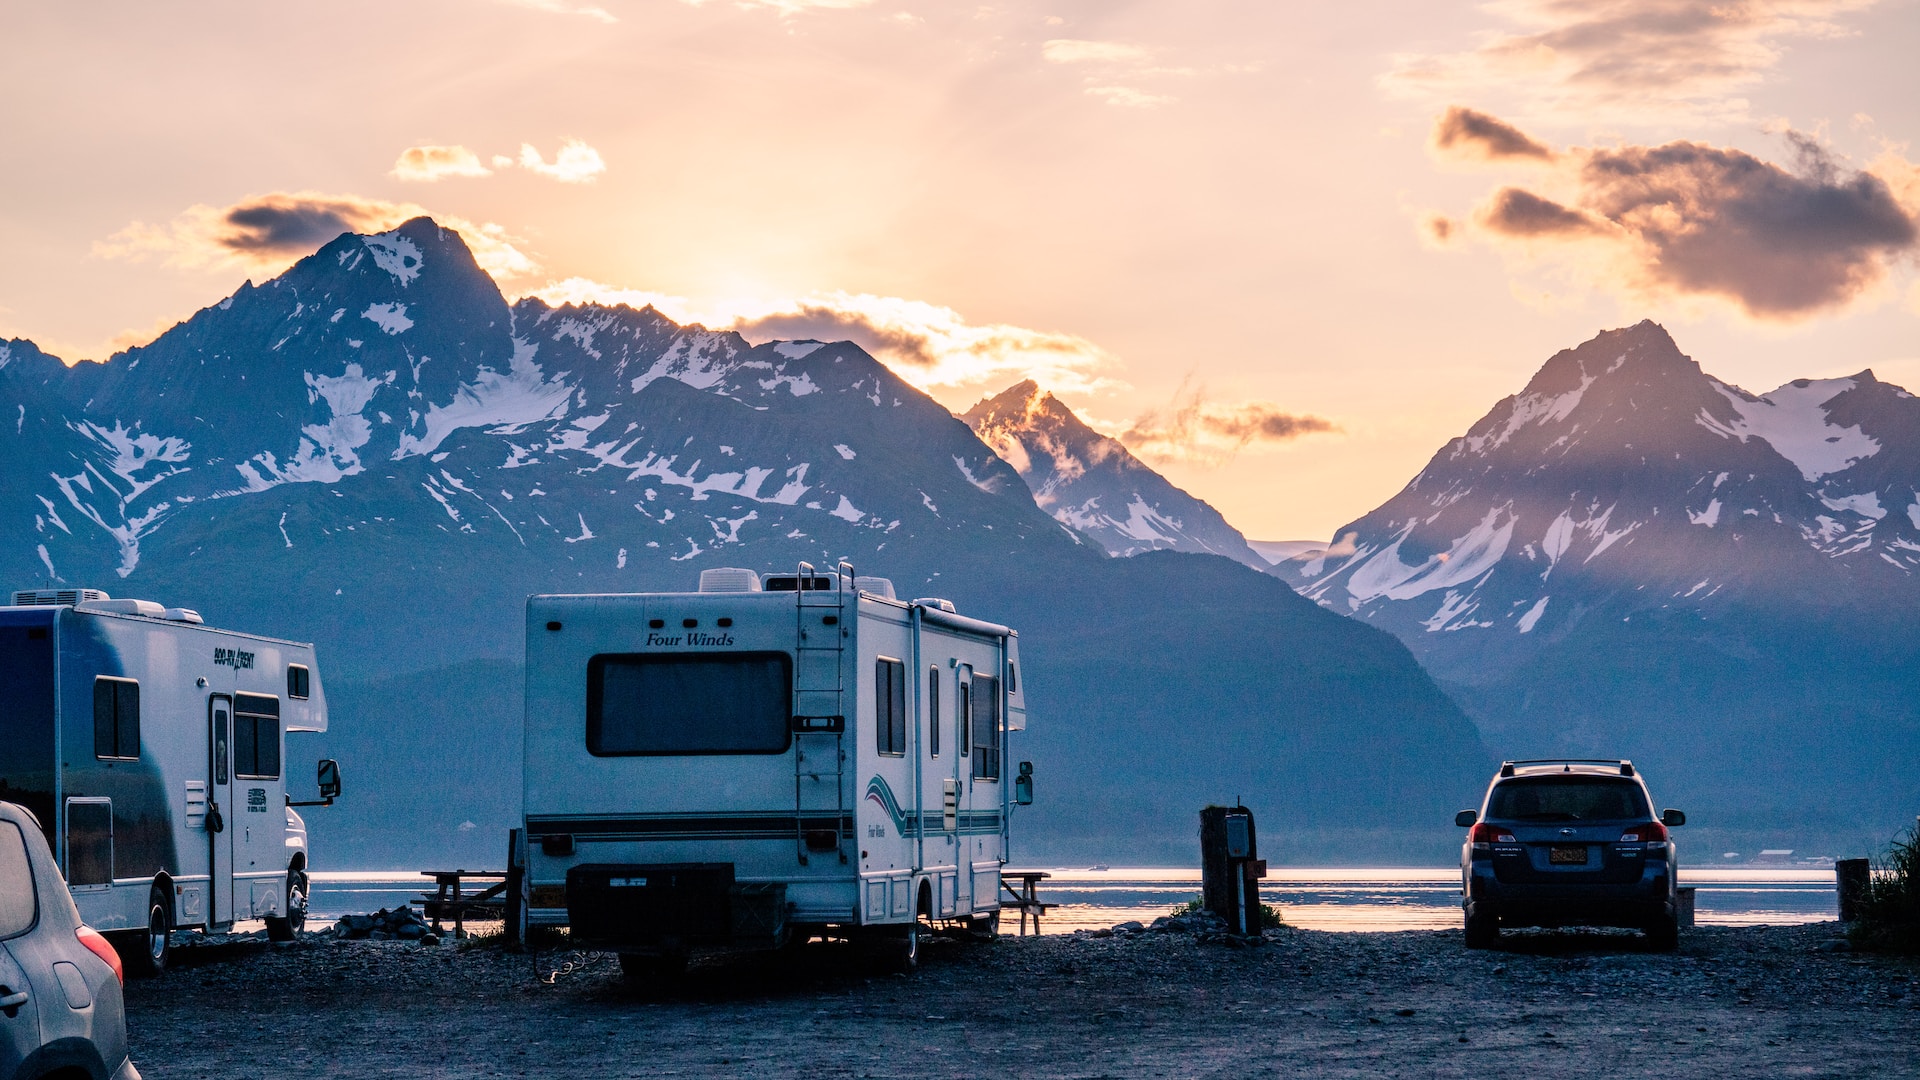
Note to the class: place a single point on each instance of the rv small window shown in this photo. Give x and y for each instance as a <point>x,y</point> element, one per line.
<point>890,706</point>
<point>256,737</point>
<point>1013,679</point>
<point>19,905</point>
<point>689,703</point>
<point>298,679</point>
<point>933,711</point>
<point>986,728</point>
<point>116,718</point>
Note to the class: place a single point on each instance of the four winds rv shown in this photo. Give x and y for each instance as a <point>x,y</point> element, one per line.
<point>150,746</point>
<point>746,767</point>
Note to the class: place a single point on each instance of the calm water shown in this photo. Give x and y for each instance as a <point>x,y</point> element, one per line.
<point>1316,899</point>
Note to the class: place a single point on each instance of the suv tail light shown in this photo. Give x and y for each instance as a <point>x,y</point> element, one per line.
<point>98,946</point>
<point>1483,836</point>
<point>1653,834</point>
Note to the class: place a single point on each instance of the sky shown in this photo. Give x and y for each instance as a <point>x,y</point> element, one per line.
<point>1285,251</point>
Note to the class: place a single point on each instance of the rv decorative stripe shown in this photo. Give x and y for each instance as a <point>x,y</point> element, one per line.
<point>904,822</point>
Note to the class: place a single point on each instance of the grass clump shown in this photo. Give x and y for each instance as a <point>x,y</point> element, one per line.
<point>1890,910</point>
<point>1269,914</point>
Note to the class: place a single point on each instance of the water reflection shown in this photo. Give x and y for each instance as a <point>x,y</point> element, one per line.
<point>1314,899</point>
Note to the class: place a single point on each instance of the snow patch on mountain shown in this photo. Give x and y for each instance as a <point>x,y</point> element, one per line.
<point>390,318</point>
<point>1383,574</point>
<point>1708,517</point>
<point>395,254</point>
<point>1793,420</point>
<point>795,350</point>
<point>521,396</point>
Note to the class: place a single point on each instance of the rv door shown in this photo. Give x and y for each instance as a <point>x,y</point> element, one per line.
<point>220,905</point>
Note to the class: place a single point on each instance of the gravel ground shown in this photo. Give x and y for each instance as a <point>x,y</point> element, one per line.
<point>1750,1001</point>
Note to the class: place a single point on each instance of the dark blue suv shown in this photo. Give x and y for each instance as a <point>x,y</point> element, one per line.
<point>1568,843</point>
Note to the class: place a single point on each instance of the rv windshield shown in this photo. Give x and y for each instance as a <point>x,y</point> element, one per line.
<point>680,703</point>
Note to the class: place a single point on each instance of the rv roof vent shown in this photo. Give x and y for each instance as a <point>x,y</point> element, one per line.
<point>874,586</point>
<point>41,597</point>
<point>183,614</point>
<point>936,602</point>
<point>729,579</point>
<point>128,607</point>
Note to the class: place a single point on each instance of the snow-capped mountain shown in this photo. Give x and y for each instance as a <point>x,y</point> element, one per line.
<point>375,451</point>
<point>1631,550</point>
<point>1094,484</point>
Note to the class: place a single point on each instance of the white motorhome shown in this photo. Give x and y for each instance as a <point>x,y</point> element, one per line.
<point>150,747</point>
<point>743,767</point>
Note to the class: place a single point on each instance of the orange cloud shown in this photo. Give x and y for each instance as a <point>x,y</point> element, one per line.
<point>267,233</point>
<point>427,164</point>
<point>1195,429</point>
<point>1465,133</point>
<point>1687,220</point>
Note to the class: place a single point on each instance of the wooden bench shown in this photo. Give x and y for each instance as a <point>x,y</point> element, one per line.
<point>450,901</point>
<point>1023,898</point>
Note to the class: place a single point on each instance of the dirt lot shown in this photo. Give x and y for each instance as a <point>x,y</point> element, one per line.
<point>1732,1002</point>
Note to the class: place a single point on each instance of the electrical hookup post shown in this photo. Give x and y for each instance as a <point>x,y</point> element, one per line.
<point>1231,867</point>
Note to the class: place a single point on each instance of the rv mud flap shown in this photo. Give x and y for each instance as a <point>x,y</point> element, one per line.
<point>671,906</point>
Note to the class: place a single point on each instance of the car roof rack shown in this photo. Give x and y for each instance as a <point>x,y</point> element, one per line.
<point>1625,766</point>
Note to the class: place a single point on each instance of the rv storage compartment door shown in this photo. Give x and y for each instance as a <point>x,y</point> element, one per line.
<point>668,905</point>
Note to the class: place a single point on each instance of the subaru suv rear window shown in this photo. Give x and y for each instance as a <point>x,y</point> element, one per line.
<point>1573,798</point>
<point>679,703</point>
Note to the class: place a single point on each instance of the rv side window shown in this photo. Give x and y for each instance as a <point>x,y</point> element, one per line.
<point>116,718</point>
<point>256,737</point>
<point>298,681</point>
<point>986,728</point>
<point>890,706</point>
<point>933,711</point>
<point>689,703</point>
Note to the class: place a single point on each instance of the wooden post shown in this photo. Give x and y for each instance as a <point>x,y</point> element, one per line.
<point>514,911</point>
<point>1850,878</point>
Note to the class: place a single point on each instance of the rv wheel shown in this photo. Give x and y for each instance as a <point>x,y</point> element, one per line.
<point>895,949</point>
<point>285,929</point>
<point>145,952</point>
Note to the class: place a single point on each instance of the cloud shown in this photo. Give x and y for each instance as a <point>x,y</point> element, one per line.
<point>1195,429</point>
<point>576,163</point>
<point>1623,61</point>
<point>1072,51</point>
<point>427,164</point>
<point>267,233</point>
<point>787,8</point>
<point>1128,97</point>
<point>1687,220</point>
<point>560,7</point>
<point>925,344</point>
<point>1465,133</point>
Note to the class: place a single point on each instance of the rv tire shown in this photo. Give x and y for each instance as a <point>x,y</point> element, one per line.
<point>893,950</point>
<point>146,952</point>
<point>289,926</point>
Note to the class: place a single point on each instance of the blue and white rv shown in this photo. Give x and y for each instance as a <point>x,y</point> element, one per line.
<point>151,747</point>
<point>749,767</point>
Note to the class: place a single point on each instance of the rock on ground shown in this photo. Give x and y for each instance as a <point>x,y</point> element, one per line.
<point>1752,1001</point>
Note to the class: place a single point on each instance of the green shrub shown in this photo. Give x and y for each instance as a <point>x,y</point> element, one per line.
<point>1890,910</point>
<point>1269,915</point>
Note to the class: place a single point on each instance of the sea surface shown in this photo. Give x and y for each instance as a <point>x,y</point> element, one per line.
<point>1312,898</point>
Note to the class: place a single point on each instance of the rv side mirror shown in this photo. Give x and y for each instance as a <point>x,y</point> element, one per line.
<point>1672,819</point>
<point>1023,785</point>
<point>1466,818</point>
<point>329,779</point>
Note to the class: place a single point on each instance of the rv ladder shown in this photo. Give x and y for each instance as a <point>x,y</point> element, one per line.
<point>819,685</point>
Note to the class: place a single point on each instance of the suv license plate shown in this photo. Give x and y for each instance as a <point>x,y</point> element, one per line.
<point>1567,856</point>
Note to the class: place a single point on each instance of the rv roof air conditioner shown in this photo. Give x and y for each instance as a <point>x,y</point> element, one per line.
<point>45,597</point>
<point>936,602</point>
<point>874,586</point>
<point>185,615</point>
<point>128,607</point>
<point>729,579</point>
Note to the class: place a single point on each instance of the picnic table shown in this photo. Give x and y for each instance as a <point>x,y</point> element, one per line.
<point>1024,898</point>
<point>450,901</point>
